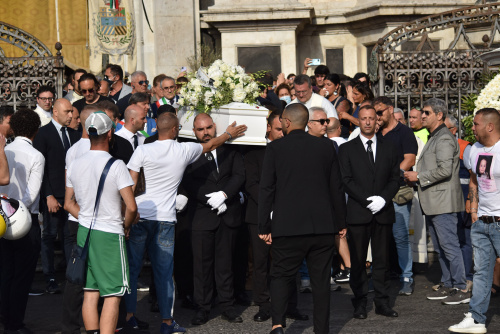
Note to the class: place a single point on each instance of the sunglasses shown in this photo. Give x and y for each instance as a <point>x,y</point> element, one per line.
<point>143,82</point>
<point>321,121</point>
<point>426,112</point>
<point>85,91</point>
<point>381,112</point>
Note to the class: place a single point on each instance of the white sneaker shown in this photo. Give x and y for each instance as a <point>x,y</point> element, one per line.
<point>468,326</point>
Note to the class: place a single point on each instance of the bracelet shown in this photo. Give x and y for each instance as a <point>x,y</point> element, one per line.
<point>230,137</point>
<point>475,210</point>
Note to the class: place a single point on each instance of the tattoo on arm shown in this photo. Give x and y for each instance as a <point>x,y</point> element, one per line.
<point>473,195</point>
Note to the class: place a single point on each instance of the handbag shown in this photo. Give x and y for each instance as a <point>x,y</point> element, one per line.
<point>77,265</point>
<point>404,195</point>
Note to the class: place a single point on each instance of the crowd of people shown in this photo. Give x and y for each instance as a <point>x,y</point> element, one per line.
<point>328,200</point>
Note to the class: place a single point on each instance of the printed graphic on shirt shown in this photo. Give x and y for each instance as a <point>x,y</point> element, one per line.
<point>484,166</point>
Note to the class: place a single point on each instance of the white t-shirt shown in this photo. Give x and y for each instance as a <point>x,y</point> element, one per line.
<point>164,162</point>
<point>319,101</point>
<point>83,176</point>
<point>77,150</point>
<point>485,163</point>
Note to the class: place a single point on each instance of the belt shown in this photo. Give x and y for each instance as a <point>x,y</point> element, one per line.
<point>489,219</point>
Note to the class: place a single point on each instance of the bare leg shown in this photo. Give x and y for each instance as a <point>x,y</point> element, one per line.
<point>496,275</point>
<point>343,248</point>
<point>109,315</point>
<point>89,310</point>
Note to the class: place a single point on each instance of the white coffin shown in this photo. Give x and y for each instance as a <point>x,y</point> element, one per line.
<point>253,116</point>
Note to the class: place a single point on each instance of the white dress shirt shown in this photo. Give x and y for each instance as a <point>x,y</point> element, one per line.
<point>45,116</point>
<point>374,144</point>
<point>26,167</point>
<point>125,133</point>
<point>58,128</point>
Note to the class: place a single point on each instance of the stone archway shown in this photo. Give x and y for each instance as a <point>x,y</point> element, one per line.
<point>20,77</point>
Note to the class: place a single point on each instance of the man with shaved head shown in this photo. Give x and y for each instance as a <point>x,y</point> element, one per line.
<point>53,141</point>
<point>484,192</point>
<point>212,185</point>
<point>164,162</point>
<point>135,118</point>
<point>301,186</point>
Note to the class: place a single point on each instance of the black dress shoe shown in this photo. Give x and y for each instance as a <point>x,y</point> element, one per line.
<point>359,312</point>
<point>296,315</point>
<point>231,316</point>
<point>200,318</point>
<point>277,330</point>
<point>261,316</point>
<point>386,311</point>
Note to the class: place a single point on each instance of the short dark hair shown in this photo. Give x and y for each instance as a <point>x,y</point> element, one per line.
<point>5,111</point>
<point>333,77</point>
<point>109,105</point>
<point>321,69</point>
<point>272,116</point>
<point>89,76</point>
<point>138,97</point>
<point>158,79</point>
<point>282,86</point>
<point>165,108</point>
<point>384,100</point>
<point>290,75</point>
<point>80,70</point>
<point>45,88</point>
<point>116,70</point>
<point>302,79</point>
<point>364,90</point>
<point>182,80</point>
<point>25,123</point>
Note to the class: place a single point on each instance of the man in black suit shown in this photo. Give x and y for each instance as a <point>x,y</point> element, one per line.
<point>370,173</point>
<point>301,185</point>
<point>53,141</point>
<point>212,185</point>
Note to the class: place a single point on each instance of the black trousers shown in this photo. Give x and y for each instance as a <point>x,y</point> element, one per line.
<point>288,253</point>
<point>358,239</point>
<point>240,259</point>
<point>183,256</point>
<point>212,259</point>
<point>261,266</point>
<point>18,262</point>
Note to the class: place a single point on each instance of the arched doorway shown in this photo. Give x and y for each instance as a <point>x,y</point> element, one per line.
<point>20,77</point>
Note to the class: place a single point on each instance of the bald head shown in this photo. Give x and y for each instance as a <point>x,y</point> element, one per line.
<point>135,118</point>
<point>204,128</point>
<point>202,117</point>
<point>62,112</point>
<point>297,114</point>
<point>166,122</point>
<point>132,111</point>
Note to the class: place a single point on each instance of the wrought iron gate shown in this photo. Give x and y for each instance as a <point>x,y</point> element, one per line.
<point>20,77</point>
<point>411,77</point>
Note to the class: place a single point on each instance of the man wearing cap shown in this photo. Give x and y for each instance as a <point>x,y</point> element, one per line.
<point>106,276</point>
<point>164,162</point>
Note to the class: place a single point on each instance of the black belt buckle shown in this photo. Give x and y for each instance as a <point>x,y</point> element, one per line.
<point>489,219</point>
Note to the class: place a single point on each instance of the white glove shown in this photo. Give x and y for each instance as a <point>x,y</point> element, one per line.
<point>180,202</point>
<point>242,198</point>
<point>376,205</point>
<point>216,199</point>
<point>221,209</point>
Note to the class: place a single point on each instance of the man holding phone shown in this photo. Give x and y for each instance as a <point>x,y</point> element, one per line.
<point>320,72</point>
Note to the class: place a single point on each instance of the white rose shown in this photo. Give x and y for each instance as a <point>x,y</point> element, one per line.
<point>181,101</point>
<point>229,80</point>
<point>239,95</point>
<point>217,83</point>
<point>232,85</point>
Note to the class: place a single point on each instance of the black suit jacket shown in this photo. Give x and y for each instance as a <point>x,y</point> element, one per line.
<point>199,180</point>
<point>121,149</point>
<point>254,160</point>
<point>361,180</point>
<point>49,143</point>
<point>301,178</point>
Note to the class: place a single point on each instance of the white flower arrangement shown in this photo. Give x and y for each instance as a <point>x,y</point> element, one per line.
<point>489,96</point>
<point>218,85</point>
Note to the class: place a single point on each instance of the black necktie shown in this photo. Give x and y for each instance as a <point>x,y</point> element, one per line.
<point>213,164</point>
<point>136,142</point>
<point>65,139</point>
<point>172,101</point>
<point>370,152</point>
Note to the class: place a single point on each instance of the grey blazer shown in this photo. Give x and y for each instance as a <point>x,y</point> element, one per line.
<point>439,190</point>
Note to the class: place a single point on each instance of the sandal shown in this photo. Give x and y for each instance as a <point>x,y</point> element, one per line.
<point>497,290</point>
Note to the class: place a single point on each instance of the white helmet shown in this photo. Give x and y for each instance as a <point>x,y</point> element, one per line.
<point>19,218</point>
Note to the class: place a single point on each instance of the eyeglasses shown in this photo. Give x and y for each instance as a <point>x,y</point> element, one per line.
<point>85,91</point>
<point>46,99</point>
<point>143,82</point>
<point>381,112</point>
<point>322,121</point>
<point>426,112</point>
<point>169,87</point>
<point>106,77</point>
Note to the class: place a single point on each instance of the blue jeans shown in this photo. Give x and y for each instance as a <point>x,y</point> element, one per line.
<point>443,230</point>
<point>401,231</point>
<point>158,238</point>
<point>486,244</point>
<point>465,243</point>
